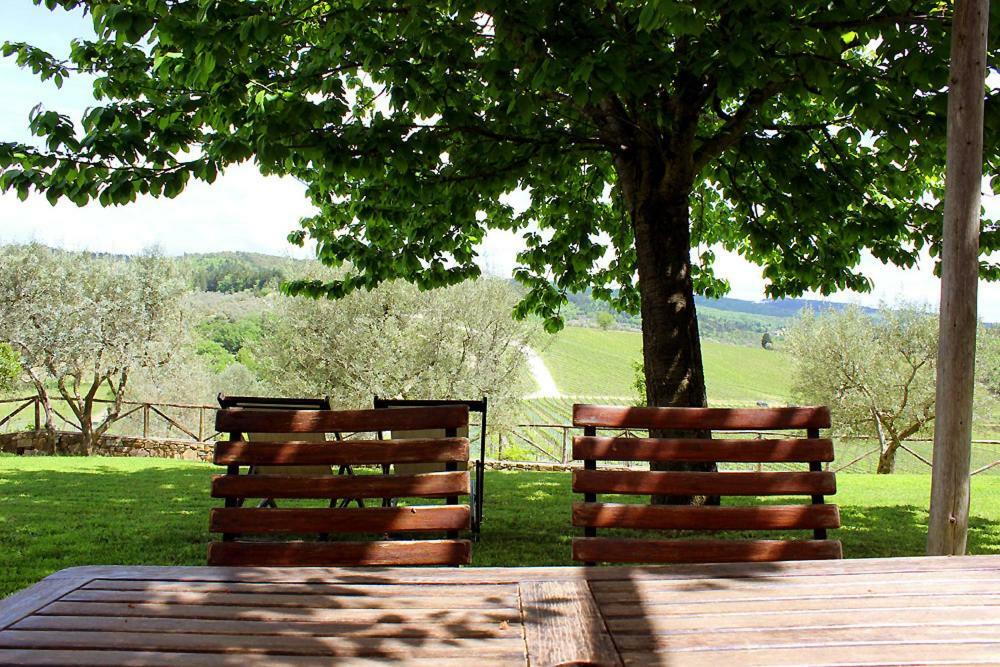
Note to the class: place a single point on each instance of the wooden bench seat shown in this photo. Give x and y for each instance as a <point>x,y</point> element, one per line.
<point>251,534</point>
<point>813,482</point>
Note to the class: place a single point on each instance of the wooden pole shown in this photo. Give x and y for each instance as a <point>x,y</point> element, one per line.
<point>949,510</point>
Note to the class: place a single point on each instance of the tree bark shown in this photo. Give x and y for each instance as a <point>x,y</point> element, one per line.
<point>658,194</point>
<point>887,460</point>
<point>949,509</point>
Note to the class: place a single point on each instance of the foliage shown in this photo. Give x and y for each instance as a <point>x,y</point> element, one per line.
<point>988,359</point>
<point>876,374</point>
<point>233,272</point>
<point>10,367</point>
<point>798,135</point>
<point>396,341</point>
<point>230,334</point>
<point>766,341</point>
<point>138,511</point>
<point>350,100</point>
<point>86,324</point>
<point>605,320</point>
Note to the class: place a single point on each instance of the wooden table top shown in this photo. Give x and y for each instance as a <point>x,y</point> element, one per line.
<point>870,612</point>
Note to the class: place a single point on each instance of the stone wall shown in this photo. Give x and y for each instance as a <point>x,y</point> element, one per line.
<point>38,442</point>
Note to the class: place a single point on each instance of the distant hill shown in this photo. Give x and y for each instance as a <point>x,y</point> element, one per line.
<point>783,308</point>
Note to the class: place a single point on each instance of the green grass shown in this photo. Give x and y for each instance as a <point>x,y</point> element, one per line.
<point>58,512</point>
<point>592,362</point>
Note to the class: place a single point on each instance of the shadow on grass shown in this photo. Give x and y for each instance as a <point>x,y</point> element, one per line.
<point>884,531</point>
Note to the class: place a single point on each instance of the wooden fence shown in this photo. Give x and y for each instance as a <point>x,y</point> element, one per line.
<point>544,443</point>
<point>138,418</point>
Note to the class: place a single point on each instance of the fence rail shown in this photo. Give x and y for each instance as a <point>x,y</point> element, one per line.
<point>526,442</point>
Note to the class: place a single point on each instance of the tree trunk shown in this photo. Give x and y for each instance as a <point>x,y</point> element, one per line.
<point>887,460</point>
<point>948,526</point>
<point>658,202</point>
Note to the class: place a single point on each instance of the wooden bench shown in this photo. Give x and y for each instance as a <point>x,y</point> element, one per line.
<point>264,524</point>
<point>815,483</point>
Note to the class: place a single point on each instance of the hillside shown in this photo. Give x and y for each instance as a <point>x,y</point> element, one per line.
<point>592,362</point>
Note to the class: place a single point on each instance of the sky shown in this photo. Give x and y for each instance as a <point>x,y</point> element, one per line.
<point>244,211</point>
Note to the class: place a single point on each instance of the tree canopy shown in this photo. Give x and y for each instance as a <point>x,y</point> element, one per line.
<point>876,374</point>
<point>796,134</point>
<point>86,324</point>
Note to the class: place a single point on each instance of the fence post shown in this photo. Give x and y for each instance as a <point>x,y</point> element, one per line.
<point>145,420</point>
<point>201,424</point>
<point>565,454</point>
<point>38,415</point>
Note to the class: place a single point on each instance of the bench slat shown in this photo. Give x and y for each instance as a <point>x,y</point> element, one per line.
<point>425,485</point>
<point>678,517</point>
<point>242,420</point>
<point>786,450</point>
<point>612,550</point>
<point>705,483</point>
<point>246,520</point>
<point>322,554</point>
<point>609,416</point>
<point>352,452</point>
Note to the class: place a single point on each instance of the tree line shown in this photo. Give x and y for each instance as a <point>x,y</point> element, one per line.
<point>79,328</point>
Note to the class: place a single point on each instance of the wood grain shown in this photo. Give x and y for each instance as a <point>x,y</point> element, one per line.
<point>614,550</point>
<point>24,603</point>
<point>872,611</point>
<point>241,420</point>
<point>563,625</point>
<point>415,600</point>
<point>614,416</point>
<point>666,517</point>
<point>350,452</point>
<point>705,483</point>
<point>788,450</point>
<point>426,629</point>
<point>254,521</point>
<point>328,647</point>
<point>111,658</point>
<point>407,552</point>
<point>449,615</point>
<point>425,485</point>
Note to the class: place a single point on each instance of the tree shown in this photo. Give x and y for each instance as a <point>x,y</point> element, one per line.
<point>766,341</point>
<point>10,367</point>
<point>876,374</point>
<point>988,359</point>
<point>797,134</point>
<point>605,320</point>
<point>396,341</point>
<point>85,324</point>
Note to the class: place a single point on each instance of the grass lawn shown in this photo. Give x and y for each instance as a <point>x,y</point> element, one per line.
<point>592,362</point>
<point>58,512</point>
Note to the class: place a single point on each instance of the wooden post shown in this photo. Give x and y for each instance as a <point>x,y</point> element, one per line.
<point>145,420</point>
<point>201,424</point>
<point>38,415</point>
<point>949,510</point>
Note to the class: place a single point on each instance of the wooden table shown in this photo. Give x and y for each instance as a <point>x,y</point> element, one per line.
<point>880,611</point>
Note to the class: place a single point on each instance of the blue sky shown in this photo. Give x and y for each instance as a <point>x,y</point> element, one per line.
<point>243,210</point>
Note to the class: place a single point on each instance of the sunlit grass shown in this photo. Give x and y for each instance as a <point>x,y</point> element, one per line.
<point>58,512</point>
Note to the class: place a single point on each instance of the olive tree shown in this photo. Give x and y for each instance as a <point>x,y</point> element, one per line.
<point>82,324</point>
<point>396,341</point>
<point>877,374</point>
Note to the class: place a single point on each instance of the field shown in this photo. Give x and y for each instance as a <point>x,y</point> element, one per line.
<point>592,362</point>
<point>57,512</point>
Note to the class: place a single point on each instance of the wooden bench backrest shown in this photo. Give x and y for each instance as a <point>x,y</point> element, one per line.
<point>266,522</point>
<point>815,483</point>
